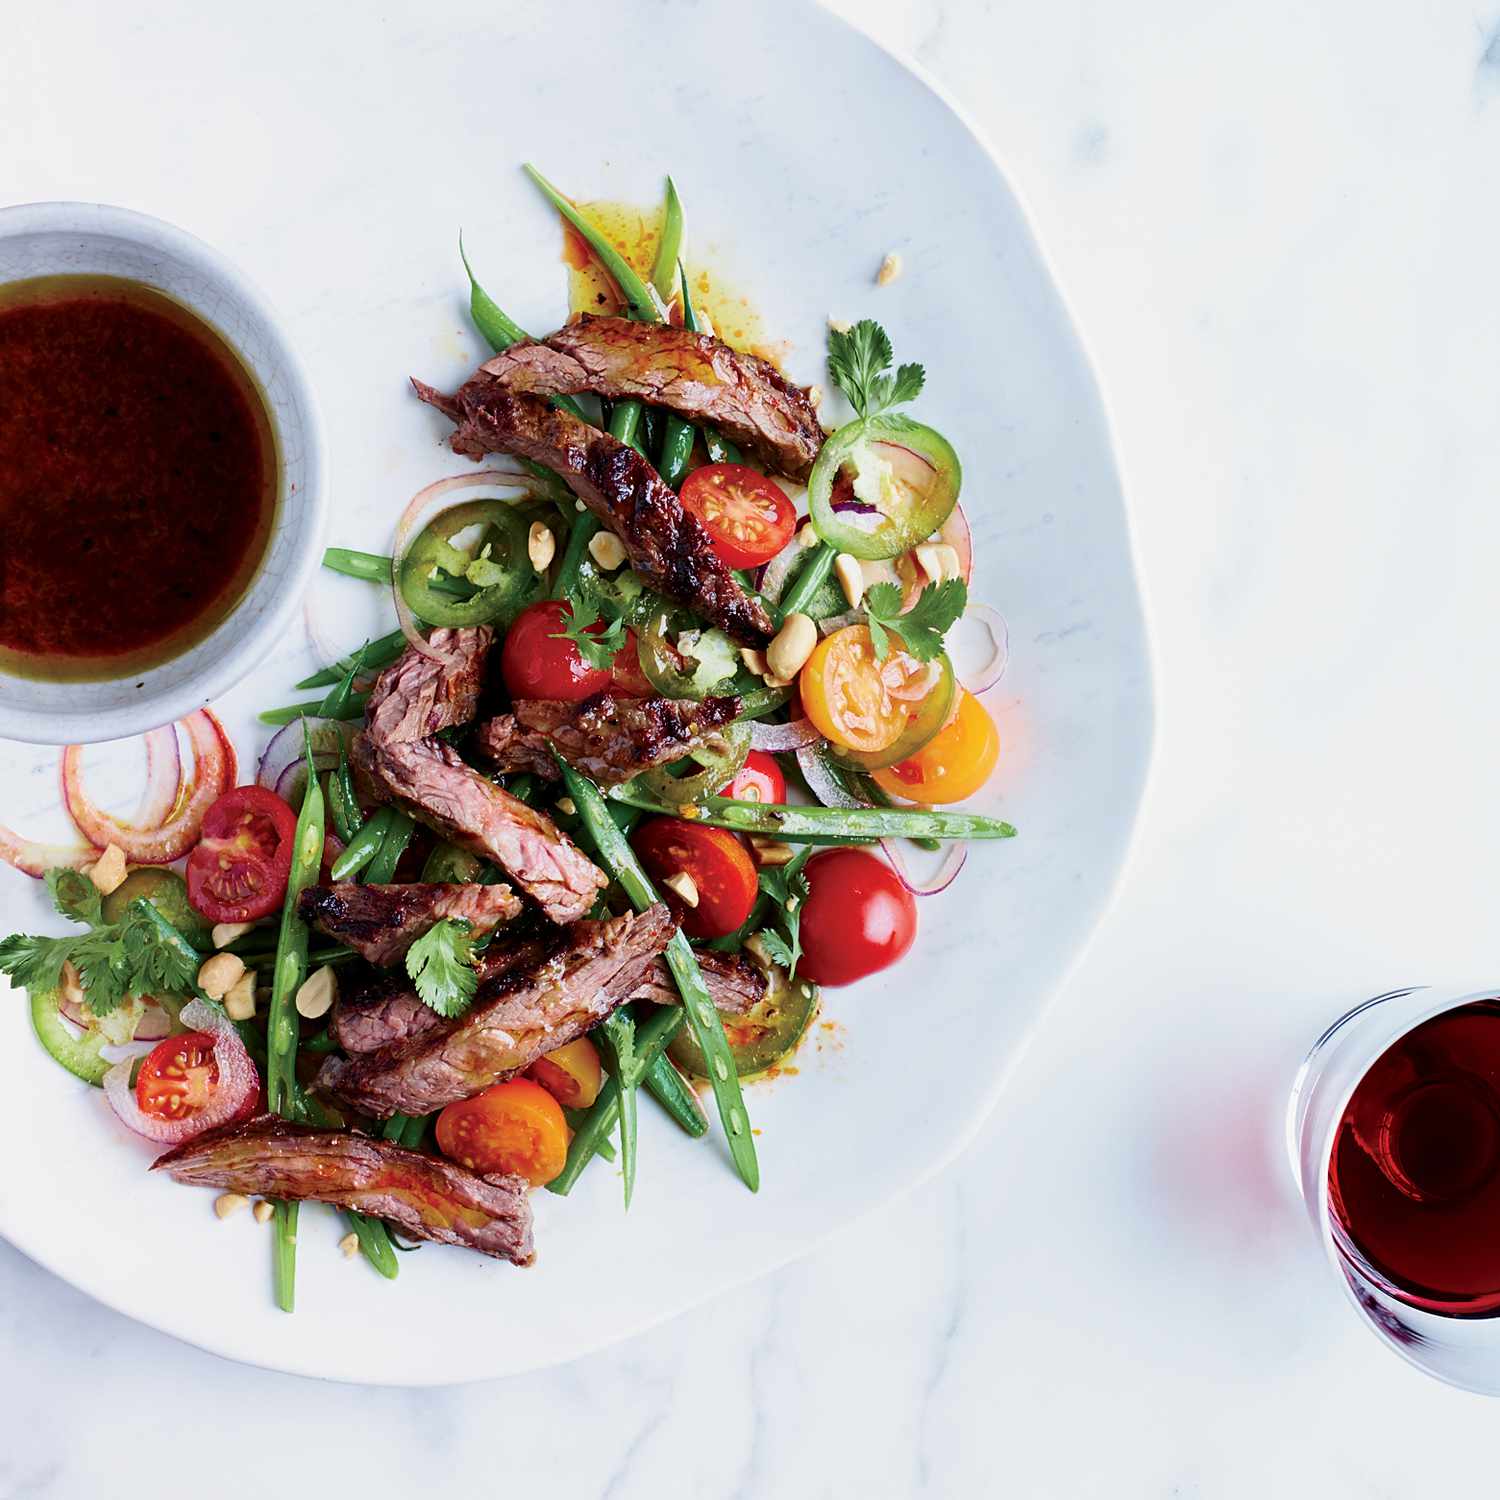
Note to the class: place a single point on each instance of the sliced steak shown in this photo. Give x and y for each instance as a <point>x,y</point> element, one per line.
<point>429,1198</point>
<point>566,987</point>
<point>430,781</point>
<point>380,922</point>
<point>693,374</point>
<point>607,736</point>
<point>735,985</point>
<point>418,695</point>
<point>666,545</point>
<point>399,761</point>
<point>384,1009</point>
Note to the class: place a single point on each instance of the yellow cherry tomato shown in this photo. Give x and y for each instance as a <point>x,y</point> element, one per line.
<point>857,701</point>
<point>953,764</point>
<point>570,1073</point>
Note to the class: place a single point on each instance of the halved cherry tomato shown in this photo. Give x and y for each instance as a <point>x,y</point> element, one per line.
<point>570,1073</point>
<point>857,918</point>
<point>510,1127</point>
<point>179,1082</point>
<point>858,701</point>
<point>954,763</point>
<point>758,780</point>
<point>239,870</point>
<point>713,859</point>
<point>748,516</point>
<point>538,661</point>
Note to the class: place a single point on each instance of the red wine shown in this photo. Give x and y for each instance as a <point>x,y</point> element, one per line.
<point>1415,1173</point>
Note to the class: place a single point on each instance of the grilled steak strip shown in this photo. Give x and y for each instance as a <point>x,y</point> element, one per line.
<point>693,374</point>
<point>384,1010</point>
<point>607,736</point>
<point>429,1198</point>
<point>380,922</point>
<point>575,979</point>
<point>430,781</point>
<point>418,695</point>
<point>399,761</point>
<point>666,545</point>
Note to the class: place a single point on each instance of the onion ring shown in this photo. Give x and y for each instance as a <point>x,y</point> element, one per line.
<point>35,859</point>
<point>822,782</point>
<point>941,878</point>
<point>163,777</point>
<point>214,769</point>
<point>983,678</point>
<point>410,524</point>
<point>776,737</point>
<point>776,572</point>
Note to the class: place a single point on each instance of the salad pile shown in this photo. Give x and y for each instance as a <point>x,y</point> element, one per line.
<point>772,794</point>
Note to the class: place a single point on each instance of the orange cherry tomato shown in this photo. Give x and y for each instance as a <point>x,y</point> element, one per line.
<point>953,764</point>
<point>856,700</point>
<point>717,863</point>
<point>511,1127</point>
<point>570,1073</point>
<point>748,516</point>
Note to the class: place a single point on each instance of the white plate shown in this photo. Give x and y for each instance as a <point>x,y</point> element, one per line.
<point>336,160</point>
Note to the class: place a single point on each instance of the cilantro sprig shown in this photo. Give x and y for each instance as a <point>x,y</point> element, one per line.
<point>441,966</point>
<point>858,360</point>
<point>923,626</point>
<point>787,888</point>
<point>597,648</point>
<point>116,961</point>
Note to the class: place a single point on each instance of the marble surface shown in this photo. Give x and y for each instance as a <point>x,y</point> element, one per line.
<point>1277,231</point>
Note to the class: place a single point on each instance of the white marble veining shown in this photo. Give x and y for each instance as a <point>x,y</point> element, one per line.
<point>1277,229</point>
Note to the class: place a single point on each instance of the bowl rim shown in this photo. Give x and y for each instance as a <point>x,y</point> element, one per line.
<point>250,643</point>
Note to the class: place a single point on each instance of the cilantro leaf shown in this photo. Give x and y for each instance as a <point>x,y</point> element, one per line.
<point>596,647</point>
<point>35,963</point>
<point>924,625</point>
<point>441,966</point>
<point>787,888</point>
<point>75,896</point>
<point>858,359</point>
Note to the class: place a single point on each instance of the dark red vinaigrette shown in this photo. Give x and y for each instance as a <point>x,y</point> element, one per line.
<point>1415,1173</point>
<point>138,478</point>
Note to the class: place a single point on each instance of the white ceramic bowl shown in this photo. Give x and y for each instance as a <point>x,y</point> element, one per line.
<point>44,239</point>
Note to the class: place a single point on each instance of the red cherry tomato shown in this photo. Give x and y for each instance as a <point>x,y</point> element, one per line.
<point>180,1083</point>
<point>758,780</point>
<point>538,661</point>
<point>713,859</point>
<point>748,516</point>
<point>857,919</point>
<point>239,870</point>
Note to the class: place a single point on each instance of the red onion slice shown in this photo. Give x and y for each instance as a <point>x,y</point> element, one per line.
<point>281,769</point>
<point>234,1096</point>
<point>414,517</point>
<point>776,737</point>
<point>982,678</point>
<point>214,769</point>
<point>163,778</point>
<point>776,572</point>
<point>35,859</point>
<point>153,1025</point>
<point>821,781</point>
<point>954,856</point>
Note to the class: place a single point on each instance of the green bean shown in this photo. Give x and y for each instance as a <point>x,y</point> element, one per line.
<point>382,868</point>
<point>677,1096</point>
<point>758,702</point>
<point>809,579</point>
<point>313,709</point>
<point>374,1242</point>
<point>525,787</point>
<point>416,1128</point>
<point>593,1131</point>
<point>336,704</point>
<point>321,1044</point>
<point>697,1004</point>
<point>669,250</point>
<point>584,530</point>
<point>811,825</point>
<point>640,301</point>
<point>617,1038</point>
<point>372,567</point>
<point>379,653</point>
<point>576,1119</point>
<point>343,805</point>
<point>500,331</point>
<point>287,974</point>
<point>677,446</point>
<point>364,845</point>
<point>395,1127</point>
